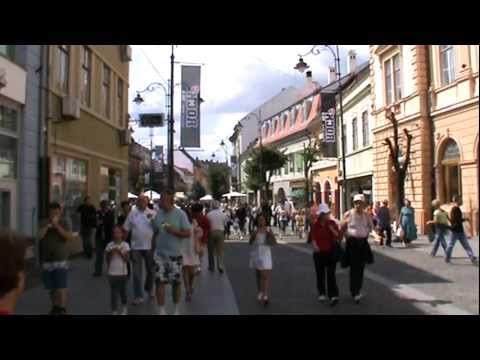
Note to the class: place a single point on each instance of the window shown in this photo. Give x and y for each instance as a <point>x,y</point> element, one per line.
<point>63,67</point>
<point>106,91</point>
<point>285,167</point>
<point>299,162</point>
<point>291,162</point>
<point>307,106</point>
<point>267,127</point>
<point>8,51</point>
<point>120,102</point>
<point>355,134</point>
<point>275,126</point>
<point>393,84</point>
<point>293,115</point>
<point>8,142</point>
<point>344,137</point>
<point>447,64</point>
<point>86,75</point>
<point>8,118</point>
<point>285,117</point>
<point>365,129</point>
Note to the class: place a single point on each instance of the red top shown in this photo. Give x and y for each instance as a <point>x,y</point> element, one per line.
<point>323,236</point>
<point>5,312</point>
<point>205,225</point>
<point>313,214</point>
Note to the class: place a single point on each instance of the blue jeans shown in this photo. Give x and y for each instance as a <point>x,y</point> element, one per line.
<point>440,231</point>
<point>460,236</point>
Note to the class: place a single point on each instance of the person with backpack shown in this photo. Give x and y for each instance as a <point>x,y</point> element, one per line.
<point>357,226</point>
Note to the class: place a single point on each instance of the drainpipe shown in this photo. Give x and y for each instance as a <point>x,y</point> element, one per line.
<point>44,176</point>
<point>430,120</point>
<point>433,188</point>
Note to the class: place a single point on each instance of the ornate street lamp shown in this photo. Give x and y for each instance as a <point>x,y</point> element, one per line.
<point>302,66</point>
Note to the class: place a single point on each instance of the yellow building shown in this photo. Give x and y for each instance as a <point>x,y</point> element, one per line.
<point>433,91</point>
<point>87,127</point>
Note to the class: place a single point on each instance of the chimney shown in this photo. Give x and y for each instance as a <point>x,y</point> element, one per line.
<point>332,74</point>
<point>309,77</point>
<point>352,61</point>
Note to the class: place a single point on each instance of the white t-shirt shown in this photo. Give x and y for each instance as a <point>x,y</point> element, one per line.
<point>140,223</point>
<point>117,266</point>
<point>217,220</point>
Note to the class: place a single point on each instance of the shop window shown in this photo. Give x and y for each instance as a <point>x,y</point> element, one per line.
<point>451,171</point>
<point>110,185</point>
<point>69,186</point>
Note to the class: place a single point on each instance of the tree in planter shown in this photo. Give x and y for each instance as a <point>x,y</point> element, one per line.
<point>400,159</point>
<point>263,160</point>
<point>312,152</point>
<point>218,179</point>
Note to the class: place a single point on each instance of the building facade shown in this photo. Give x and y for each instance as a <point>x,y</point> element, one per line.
<point>357,137</point>
<point>87,133</point>
<point>19,137</point>
<point>433,91</point>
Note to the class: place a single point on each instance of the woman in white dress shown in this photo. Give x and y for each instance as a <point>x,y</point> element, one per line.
<point>261,257</point>
<point>191,258</point>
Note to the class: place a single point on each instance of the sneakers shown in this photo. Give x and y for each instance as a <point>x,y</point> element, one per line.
<point>322,298</point>
<point>474,261</point>
<point>124,311</point>
<point>265,300</point>
<point>357,298</point>
<point>161,310</point>
<point>259,296</point>
<point>333,301</point>
<point>114,312</point>
<point>137,301</point>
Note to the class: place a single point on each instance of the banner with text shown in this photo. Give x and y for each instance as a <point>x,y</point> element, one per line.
<point>329,125</point>
<point>190,125</point>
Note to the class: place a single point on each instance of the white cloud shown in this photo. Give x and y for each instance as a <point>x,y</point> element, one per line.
<point>235,79</point>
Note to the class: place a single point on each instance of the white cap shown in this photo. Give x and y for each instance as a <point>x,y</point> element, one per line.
<point>322,209</point>
<point>359,197</point>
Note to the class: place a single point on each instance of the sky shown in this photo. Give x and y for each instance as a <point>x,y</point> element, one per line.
<point>235,79</point>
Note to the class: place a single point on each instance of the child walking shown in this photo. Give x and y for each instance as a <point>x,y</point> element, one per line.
<point>117,253</point>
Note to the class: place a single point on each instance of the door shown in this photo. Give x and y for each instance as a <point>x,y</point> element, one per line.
<point>8,199</point>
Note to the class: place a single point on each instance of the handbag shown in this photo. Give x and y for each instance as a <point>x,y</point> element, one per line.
<point>400,232</point>
<point>338,252</point>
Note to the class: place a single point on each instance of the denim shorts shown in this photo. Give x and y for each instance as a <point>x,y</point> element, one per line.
<point>55,279</point>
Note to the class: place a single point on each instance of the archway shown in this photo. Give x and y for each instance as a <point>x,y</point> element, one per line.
<point>450,171</point>
<point>281,195</point>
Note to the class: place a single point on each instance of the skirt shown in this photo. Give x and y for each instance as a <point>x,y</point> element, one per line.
<point>261,258</point>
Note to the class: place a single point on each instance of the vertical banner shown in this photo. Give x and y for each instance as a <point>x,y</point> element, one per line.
<point>329,125</point>
<point>190,125</point>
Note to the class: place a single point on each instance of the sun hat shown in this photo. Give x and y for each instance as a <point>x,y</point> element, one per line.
<point>359,197</point>
<point>322,209</point>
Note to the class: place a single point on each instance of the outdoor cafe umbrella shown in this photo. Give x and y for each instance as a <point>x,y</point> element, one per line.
<point>233,194</point>
<point>132,196</point>
<point>206,198</point>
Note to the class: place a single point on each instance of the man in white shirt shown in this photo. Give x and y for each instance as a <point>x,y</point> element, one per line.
<point>216,237</point>
<point>139,222</point>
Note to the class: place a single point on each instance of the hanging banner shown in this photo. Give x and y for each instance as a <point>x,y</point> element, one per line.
<point>329,125</point>
<point>190,124</point>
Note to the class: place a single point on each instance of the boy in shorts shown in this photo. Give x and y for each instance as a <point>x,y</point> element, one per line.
<point>54,235</point>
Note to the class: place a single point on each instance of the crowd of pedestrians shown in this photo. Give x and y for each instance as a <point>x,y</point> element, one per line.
<point>164,245</point>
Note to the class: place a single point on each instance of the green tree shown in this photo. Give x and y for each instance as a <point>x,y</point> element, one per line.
<point>312,152</point>
<point>218,179</point>
<point>197,191</point>
<point>262,160</point>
